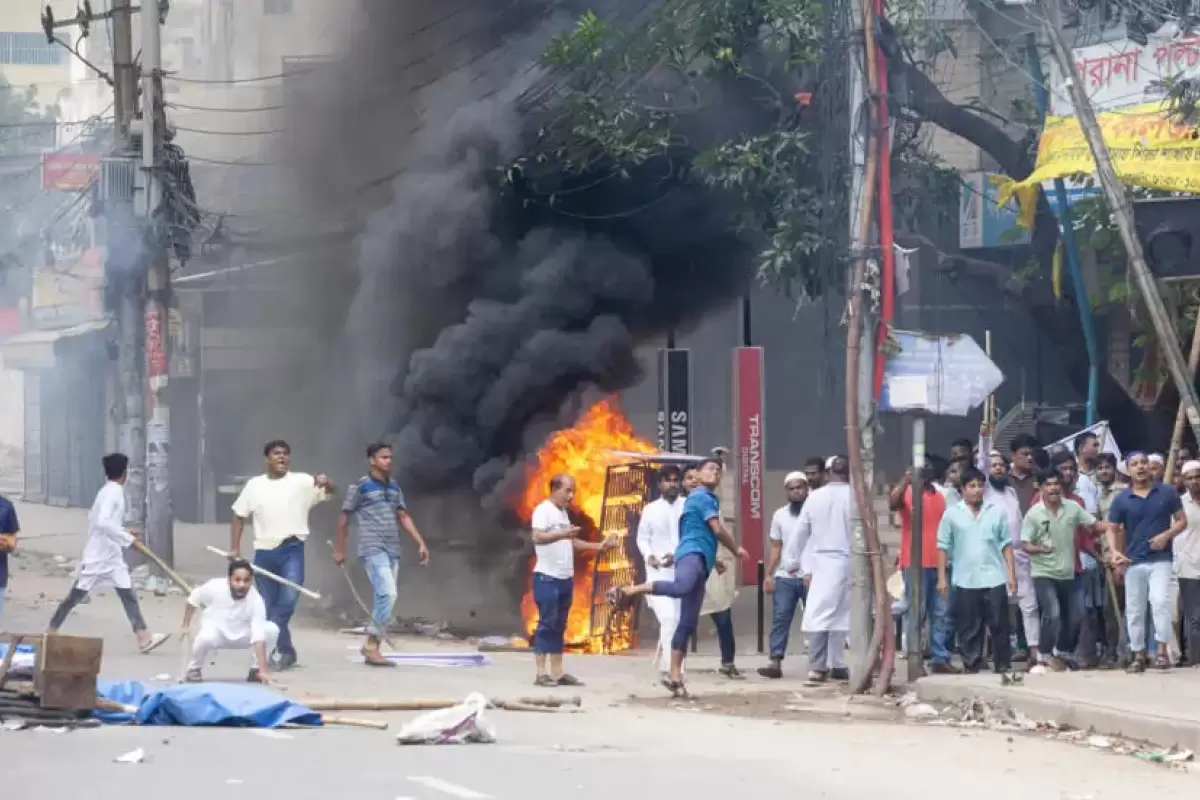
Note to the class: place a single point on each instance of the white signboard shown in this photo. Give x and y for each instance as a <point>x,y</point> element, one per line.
<point>1108,444</point>
<point>1117,74</point>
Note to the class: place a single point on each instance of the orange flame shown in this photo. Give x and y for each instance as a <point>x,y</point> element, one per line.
<point>583,452</point>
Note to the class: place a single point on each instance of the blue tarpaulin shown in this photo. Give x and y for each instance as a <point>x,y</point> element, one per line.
<point>204,704</point>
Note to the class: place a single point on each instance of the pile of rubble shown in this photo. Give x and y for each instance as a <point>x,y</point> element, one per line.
<point>998,716</point>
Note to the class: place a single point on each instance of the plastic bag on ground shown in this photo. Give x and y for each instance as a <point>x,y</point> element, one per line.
<point>465,723</point>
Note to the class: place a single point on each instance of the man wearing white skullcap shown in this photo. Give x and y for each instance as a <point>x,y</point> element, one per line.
<point>786,591</point>
<point>1158,465</point>
<point>1187,563</point>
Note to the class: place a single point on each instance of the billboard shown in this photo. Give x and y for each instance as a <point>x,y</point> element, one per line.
<point>748,407</point>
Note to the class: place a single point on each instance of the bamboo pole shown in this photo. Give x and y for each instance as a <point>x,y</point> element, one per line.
<point>518,704</point>
<point>268,574</point>
<point>1177,433</point>
<point>170,573</point>
<point>354,722</point>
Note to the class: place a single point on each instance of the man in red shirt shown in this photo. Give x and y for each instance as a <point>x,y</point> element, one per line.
<point>937,606</point>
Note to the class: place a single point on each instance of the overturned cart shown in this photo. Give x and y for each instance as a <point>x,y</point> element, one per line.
<point>47,679</point>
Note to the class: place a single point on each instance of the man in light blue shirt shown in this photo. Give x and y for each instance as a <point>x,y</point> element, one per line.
<point>975,537</point>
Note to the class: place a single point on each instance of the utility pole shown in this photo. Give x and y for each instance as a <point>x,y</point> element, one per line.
<point>860,585</point>
<point>1118,201</point>
<point>126,274</point>
<point>159,517</point>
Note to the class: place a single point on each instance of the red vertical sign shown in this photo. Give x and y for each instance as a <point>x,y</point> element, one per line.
<point>748,407</point>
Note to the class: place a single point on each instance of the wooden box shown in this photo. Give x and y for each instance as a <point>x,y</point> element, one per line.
<point>67,668</point>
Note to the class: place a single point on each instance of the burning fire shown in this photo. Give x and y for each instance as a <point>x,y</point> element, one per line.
<point>583,453</point>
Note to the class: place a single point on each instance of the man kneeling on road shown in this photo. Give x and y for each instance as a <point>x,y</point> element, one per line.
<point>235,618</point>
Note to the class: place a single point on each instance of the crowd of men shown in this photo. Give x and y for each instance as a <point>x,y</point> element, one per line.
<point>1052,554</point>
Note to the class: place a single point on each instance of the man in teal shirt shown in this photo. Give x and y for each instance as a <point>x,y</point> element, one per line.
<point>975,537</point>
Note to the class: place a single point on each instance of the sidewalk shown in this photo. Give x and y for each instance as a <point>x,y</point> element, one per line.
<point>1161,708</point>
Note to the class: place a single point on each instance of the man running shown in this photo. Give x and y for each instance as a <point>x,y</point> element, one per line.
<point>103,561</point>
<point>234,618</point>
<point>700,530</point>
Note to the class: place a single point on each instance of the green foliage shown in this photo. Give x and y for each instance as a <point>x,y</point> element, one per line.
<point>24,126</point>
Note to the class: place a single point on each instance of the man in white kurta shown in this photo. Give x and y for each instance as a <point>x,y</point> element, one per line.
<point>657,538</point>
<point>103,561</point>
<point>234,618</point>
<point>819,552</point>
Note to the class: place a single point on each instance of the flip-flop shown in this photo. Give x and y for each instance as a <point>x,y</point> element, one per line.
<point>155,642</point>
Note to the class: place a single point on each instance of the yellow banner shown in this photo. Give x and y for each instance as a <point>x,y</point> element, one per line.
<point>1148,149</point>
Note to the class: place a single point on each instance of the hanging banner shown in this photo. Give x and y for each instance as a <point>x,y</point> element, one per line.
<point>1147,146</point>
<point>1108,444</point>
<point>674,401</point>
<point>749,397</point>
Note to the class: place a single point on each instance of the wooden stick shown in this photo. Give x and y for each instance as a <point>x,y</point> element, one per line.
<point>268,574</point>
<point>170,573</point>
<point>1177,432</point>
<point>378,725</point>
<point>362,603</point>
<point>111,705</point>
<point>431,705</point>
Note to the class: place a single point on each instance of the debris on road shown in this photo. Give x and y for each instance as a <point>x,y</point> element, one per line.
<point>465,723</point>
<point>132,757</point>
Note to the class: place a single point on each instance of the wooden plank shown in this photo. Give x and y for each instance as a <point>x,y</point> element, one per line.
<point>67,670</point>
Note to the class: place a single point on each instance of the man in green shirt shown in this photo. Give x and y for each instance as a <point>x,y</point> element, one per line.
<point>1048,535</point>
<point>975,537</point>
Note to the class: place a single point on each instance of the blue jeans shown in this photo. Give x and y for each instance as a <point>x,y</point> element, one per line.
<point>381,571</point>
<point>724,622</point>
<point>286,561</point>
<point>938,621</point>
<point>788,594</point>
<point>553,599</point>
<point>1148,582</point>
<point>691,576</point>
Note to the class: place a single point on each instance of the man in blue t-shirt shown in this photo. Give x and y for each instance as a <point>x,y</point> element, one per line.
<point>700,530</point>
<point>9,528</point>
<point>1145,518</point>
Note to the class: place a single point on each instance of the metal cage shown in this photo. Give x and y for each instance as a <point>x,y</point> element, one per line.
<point>627,489</point>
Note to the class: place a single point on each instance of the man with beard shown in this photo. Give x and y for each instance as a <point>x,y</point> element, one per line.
<point>974,535</point>
<point>235,618</point>
<point>277,504</point>
<point>814,473</point>
<point>1109,484</point>
<point>786,591</point>
<point>1145,517</point>
<point>657,538</point>
<point>1000,493</point>
<point>819,553</point>
<point>937,607</point>
<point>377,504</point>
<point>700,533</point>
<point>1186,548</point>
<point>1158,466</point>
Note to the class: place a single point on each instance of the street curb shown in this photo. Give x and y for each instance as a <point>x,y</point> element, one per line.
<point>1106,719</point>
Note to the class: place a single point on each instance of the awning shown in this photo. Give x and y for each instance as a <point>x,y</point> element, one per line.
<point>35,349</point>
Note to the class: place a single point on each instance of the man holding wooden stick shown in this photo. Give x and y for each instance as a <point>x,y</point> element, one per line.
<point>103,562</point>
<point>277,504</point>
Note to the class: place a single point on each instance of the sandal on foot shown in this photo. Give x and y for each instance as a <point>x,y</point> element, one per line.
<point>544,680</point>
<point>193,676</point>
<point>1162,663</point>
<point>817,676</point>
<point>1137,665</point>
<point>676,688</point>
<point>840,673</point>
<point>155,642</point>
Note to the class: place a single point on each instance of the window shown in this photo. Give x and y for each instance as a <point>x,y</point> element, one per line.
<point>30,48</point>
<point>277,6</point>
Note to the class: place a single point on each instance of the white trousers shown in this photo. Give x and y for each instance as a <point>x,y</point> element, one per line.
<point>666,611</point>
<point>210,640</point>
<point>1027,602</point>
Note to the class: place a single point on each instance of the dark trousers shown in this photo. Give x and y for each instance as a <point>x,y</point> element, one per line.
<point>1056,607</point>
<point>691,575</point>
<point>1189,620</point>
<point>977,611</point>
<point>128,601</point>
<point>724,622</point>
<point>286,561</point>
<point>552,596</point>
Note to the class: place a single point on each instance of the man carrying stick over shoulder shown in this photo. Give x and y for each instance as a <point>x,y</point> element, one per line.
<point>235,618</point>
<point>103,562</point>
<point>277,504</point>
